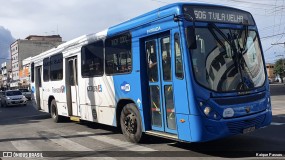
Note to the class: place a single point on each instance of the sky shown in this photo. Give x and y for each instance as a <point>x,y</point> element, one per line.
<point>73,18</point>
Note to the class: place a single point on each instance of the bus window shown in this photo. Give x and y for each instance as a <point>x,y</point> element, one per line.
<point>39,76</point>
<point>92,60</point>
<point>169,104</point>
<point>152,60</point>
<point>178,57</point>
<point>32,72</point>
<point>46,69</point>
<point>166,58</point>
<point>155,106</point>
<point>56,67</point>
<point>118,51</point>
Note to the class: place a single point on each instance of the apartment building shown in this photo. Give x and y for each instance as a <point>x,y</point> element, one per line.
<point>29,47</point>
<point>6,70</point>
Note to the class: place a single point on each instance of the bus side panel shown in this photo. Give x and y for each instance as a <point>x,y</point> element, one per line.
<point>46,93</point>
<point>57,90</point>
<point>128,87</point>
<point>97,99</point>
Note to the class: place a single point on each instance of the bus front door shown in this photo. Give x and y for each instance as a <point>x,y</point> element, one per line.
<point>73,86</point>
<point>158,55</point>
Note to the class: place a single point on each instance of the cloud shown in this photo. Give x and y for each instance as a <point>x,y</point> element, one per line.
<point>73,18</point>
<point>69,18</point>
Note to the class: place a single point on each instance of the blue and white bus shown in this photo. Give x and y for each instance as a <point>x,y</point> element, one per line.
<point>190,72</point>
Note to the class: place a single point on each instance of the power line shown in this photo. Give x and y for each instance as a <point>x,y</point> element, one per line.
<point>269,27</point>
<point>255,3</point>
<point>273,35</point>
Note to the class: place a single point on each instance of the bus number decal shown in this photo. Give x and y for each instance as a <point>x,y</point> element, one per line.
<point>94,88</point>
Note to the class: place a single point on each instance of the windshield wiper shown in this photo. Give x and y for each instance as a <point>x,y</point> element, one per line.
<point>237,55</point>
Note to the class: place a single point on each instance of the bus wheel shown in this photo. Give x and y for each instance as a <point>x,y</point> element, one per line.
<point>131,123</point>
<point>54,112</point>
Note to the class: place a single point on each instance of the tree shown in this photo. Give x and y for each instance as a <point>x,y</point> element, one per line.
<point>279,68</point>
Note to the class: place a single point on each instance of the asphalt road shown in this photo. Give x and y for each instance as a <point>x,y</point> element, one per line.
<point>23,128</point>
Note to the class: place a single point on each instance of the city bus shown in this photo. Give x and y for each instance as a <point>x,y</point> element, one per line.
<point>186,71</point>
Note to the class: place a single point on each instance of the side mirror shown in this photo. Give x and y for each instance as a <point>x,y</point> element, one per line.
<point>191,37</point>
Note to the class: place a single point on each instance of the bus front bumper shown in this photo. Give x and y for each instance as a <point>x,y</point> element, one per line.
<point>204,129</point>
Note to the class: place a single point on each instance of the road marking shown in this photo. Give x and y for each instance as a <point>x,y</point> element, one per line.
<point>72,146</point>
<point>276,124</point>
<point>118,143</point>
<point>24,145</point>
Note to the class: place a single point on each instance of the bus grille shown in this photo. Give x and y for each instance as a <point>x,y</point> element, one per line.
<point>240,100</point>
<point>237,127</point>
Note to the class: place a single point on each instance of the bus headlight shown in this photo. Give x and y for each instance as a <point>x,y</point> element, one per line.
<point>209,111</point>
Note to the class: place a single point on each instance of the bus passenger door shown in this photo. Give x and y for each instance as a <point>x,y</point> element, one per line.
<point>72,86</point>
<point>38,85</point>
<point>158,55</point>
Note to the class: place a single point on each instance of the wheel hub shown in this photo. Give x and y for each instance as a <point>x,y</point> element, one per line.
<point>131,123</point>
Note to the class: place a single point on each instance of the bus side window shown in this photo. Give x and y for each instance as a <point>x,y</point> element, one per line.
<point>178,57</point>
<point>32,72</point>
<point>56,67</point>
<point>118,54</point>
<point>92,59</point>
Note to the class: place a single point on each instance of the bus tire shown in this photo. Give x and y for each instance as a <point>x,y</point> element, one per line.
<point>54,112</point>
<point>131,123</point>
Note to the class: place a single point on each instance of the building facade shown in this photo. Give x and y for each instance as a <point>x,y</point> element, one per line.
<point>29,47</point>
<point>270,72</point>
<point>6,76</point>
<point>24,73</point>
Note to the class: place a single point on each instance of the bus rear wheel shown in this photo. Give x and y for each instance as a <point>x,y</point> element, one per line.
<point>54,112</point>
<point>131,123</point>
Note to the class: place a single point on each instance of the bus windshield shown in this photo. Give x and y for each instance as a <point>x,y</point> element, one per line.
<point>227,59</point>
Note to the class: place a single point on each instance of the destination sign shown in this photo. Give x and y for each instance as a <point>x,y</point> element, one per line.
<point>220,15</point>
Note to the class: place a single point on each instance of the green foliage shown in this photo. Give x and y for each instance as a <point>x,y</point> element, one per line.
<point>279,68</point>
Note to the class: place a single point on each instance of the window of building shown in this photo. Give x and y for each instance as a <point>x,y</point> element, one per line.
<point>46,65</point>
<point>56,67</point>
<point>118,50</point>
<point>92,59</point>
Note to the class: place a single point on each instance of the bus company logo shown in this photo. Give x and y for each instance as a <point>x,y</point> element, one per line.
<point>97,88</point>
<point>228,112</point>
<point>125,87</point>
<point>58,90</point>
<point>156,29</point>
